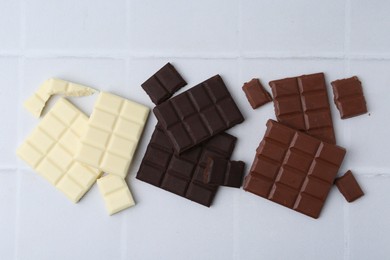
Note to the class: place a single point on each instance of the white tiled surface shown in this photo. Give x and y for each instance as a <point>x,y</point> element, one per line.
<point>115,45</point>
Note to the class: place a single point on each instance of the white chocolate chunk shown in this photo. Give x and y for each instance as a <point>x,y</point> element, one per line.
<point>36,103</point>
<point>112,134</point>
<point>115,192</point>
<point>51,147</point>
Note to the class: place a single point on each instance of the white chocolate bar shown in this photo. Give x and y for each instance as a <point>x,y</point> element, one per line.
<point>115,192</point>
<point>51,147</point>
<point>112,134</point>
<point>36,103</point>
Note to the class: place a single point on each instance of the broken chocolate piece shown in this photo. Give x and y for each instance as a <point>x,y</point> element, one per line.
<point>302,103</point>
<point>349,187</point>
<point>198,114</point>
<point>163,84</point>
<point>183,174</point>
<point>294,169</point>
<point>349,97</point>
<point>256,94</point>
<point>223,172</point>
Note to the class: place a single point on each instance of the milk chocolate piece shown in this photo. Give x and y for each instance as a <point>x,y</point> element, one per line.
<point>256,94</point>
<point>198,114</point>
<point>183,174</point>
<point>349,97</point>
<point>294,169</point>
<point>163,84</point>
<point>302,103</point>
<point>349,187</point>
<point>223,172</point>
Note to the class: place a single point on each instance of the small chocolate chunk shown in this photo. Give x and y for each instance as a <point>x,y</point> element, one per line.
<point>163,84</point>
<point>349,187</point>
<point>349,97</point>
<point>256,94</point>
<point>223,172</point>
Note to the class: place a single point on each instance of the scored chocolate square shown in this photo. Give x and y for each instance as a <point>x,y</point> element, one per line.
<point>294,169</point>
<point>183,174</point>
<point>163,84</point>
<point>198,114</point>
<point>302,103</point>
<point>349,97</point>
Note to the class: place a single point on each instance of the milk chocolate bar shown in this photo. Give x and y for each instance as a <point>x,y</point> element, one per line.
<point>163,84</point>
<point>349,97</point>
<point>256,94</point>
<point>223,172</point>
<point>183,174</point>
<point>198,114</point>
<point>349,187</point>
<point>294,169</point>
<point>302,103</point>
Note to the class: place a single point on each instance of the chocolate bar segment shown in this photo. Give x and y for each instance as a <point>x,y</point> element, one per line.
<point>223,172</point>
<point>302,103</point>
<point>163,84</point>
<point>349,187</point>
<point>183,174</point>
<point>198,114</point>
<point>256,94</point>
<point>294,169</point>
<point>349,97</point>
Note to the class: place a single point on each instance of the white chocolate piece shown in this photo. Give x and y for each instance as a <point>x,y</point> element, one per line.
<point>36,103</point>
<point>112,134</point>
<point>51,147</point>
<point>115,192</point>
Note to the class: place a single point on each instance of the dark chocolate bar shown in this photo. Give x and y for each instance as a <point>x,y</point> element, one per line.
<point>223,172</point>
<point>163,84</point>
<point>256,94</point>
<point>302,103</point>
<point>183,174</point>
<point>198,114</point>
<point>294,169</point>
<point>349,97</point>
<point>349,187</point>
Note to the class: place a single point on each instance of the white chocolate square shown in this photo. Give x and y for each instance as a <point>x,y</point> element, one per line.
<point>51,147</point>
<point>112,134</point>
<point>115,192</point>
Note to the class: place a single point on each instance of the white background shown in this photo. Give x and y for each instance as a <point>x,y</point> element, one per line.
<point>116,45</point>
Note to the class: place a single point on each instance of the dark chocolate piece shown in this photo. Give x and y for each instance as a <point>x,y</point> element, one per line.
<point>223,172</point>
<point>198,114</point>
<point>302,103</point>
<point>294,169</point>
<point>349,97</point>
<point>256,93</point>
<point>163,84</point>
<point>183,174</point>
<point>349,187</point>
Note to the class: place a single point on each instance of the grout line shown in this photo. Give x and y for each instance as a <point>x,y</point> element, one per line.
<point>52,54</point>
<point>347,234</point>
<point>21,65</point>
<point>236,213</point>
<point>347,68</point>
